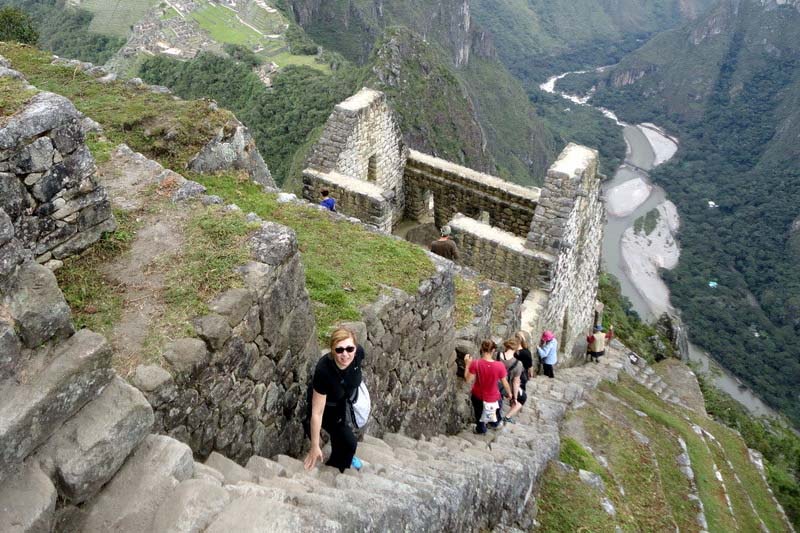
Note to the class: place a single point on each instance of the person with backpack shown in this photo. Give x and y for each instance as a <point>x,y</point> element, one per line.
<point>514,371</point>
<point>548,353</point>
<point>336,381</point>
<point>597,341</point>
<point>485,396</point>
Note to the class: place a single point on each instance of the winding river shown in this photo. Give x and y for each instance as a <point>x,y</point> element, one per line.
<point>632,265</point>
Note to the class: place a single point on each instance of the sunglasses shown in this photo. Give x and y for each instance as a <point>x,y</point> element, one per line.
<point>348,349</point>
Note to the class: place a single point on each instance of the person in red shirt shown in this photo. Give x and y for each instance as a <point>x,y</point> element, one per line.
<point>486,372</point>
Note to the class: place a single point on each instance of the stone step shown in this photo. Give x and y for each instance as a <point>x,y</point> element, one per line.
<point>232,472</point>
<point>260,514</point>
<point>265,468</point>
<point>27,500</point>
<point>129,502</point>
<point>32,410</point>
<point>191,506</point>
<point>91,446</point>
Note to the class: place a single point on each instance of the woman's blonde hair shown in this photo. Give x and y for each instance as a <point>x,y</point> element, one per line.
<point>341,334</point>
<point>522,337</point>
<point>511,344</point>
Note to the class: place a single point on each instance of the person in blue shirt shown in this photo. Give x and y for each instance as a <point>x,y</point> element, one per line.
<point>328,202</point>
<point>548,352</point>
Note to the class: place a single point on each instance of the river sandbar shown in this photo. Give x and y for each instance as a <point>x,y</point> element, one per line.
<point>625,198</point>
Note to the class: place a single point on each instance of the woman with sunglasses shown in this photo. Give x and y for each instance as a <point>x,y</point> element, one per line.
<point>336,378</point>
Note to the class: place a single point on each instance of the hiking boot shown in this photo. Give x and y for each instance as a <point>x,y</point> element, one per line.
<point>508,420</point>
<point>494,425</point>
<point>356,463</point>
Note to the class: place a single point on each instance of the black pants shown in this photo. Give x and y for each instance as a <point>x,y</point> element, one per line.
<point>477,408</point>
<point>548,370</point>
<point>343,443</point>
<point>594,356</point>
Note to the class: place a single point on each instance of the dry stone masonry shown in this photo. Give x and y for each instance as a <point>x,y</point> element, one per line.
<point>47,184</point>
<point>546,241</point>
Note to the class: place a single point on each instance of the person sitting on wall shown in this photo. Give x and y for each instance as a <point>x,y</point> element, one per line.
<point>336,377</point>
<point>444,246</point>
<point>485,396</point>
<point>548,353</point>
<point>514,371</point>
<point>597,342</point>
<point>328,202</point>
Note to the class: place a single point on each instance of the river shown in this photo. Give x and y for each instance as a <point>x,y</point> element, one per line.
<point>647,147</point>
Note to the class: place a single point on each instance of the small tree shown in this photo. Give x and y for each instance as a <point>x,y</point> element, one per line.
<point>16,25</point>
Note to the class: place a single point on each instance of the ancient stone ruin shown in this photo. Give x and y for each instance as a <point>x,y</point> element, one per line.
<point>543,240</point>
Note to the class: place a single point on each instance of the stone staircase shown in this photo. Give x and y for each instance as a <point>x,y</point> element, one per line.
<point>646,376</point>
<point>462,482</point>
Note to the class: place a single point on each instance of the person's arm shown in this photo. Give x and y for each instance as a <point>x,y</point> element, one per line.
<point>469,377</point>
<point>610,334</point>
<point>507,388</point>
<point>317,410</point>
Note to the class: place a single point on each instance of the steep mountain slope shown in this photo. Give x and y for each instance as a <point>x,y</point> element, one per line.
<point>513,142</point>
<point>534,37</point>
<point>729,86</point>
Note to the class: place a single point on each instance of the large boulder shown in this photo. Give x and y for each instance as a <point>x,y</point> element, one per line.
<point>37,304</point>
<point>89,449</point>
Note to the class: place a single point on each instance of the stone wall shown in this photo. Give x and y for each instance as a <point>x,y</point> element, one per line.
<point>47,184</point>
<point>356,198</point>
<point>458,189</point>
<point>239,387</point>
<point>411,367</point>
<point>500,255</point>
<point>569,224</point>
<point>362,141</point>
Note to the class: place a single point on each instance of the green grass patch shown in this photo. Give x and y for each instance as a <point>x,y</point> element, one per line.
<point>502,297</point>
<point>95,301</point>
<point>13,96</point>
<point>664,444</point>
<point>346,265</point>
<point>631,465</point>
<point>575,455</point>
<point>169,131</point>
<point>711,494</point>
<point>567,504</point>
<point>223,26</point>
<point>467,297</point>
<point>100,147</point>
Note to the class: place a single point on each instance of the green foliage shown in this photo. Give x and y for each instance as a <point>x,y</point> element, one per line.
<point>735,150</point>
<point>628,326</point>
<point>280,119</point>
<point>168,130</point>
<point>16,25</point>
<point>65,31</point>
<point>646,224</point>
<point>567,504</point>
<point>299,42</point>
<point>777,442</point>
<point>242,54</point>
<point>346,266</point>
<point>467,297</point>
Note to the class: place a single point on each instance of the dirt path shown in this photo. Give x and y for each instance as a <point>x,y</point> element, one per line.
<point>140,273</point>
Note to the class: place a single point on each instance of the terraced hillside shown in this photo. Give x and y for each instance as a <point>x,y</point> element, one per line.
<point>631,459</point>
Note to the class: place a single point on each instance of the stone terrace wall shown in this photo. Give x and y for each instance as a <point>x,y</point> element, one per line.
<point>569,223</point>
<point>362,140</point>
<point>458,189</point>
<point>47,183</point>
<point>410,367</point>
<point>500,255</point>
<point>239,389</point>
<point>359,199</point>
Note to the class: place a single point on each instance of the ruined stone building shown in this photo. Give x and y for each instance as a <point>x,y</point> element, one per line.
<point>544,240</point>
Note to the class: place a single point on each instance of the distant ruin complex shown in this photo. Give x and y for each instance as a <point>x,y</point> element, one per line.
<point>544,240</point>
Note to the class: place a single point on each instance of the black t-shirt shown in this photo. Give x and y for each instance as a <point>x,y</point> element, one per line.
<point>524,356</point>
<point>336,384</point>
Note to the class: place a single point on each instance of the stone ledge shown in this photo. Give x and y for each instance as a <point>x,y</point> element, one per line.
<point>343,181</point>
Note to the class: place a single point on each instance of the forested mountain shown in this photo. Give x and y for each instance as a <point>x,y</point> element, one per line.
<point>728,85</point>
<point>535,38</point>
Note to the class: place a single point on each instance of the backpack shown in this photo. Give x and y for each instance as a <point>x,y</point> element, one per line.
<point>357,411</point>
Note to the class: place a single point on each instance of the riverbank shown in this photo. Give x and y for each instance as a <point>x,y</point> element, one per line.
<point>626,198</point>
<point>644,254</point>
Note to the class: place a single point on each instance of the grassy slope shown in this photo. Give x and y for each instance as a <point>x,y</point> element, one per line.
<point>116,17</point>
<point>656,491</point>
<point>339,283</point>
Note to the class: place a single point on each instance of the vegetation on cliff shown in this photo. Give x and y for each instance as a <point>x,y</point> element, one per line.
<point>728,86</point>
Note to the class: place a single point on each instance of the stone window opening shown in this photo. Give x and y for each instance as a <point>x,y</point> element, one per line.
<point>372,168</point>
<point>484,218</point>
